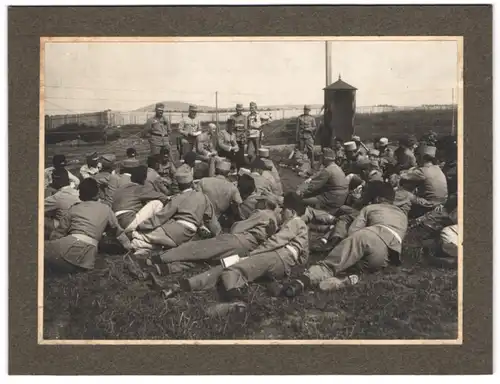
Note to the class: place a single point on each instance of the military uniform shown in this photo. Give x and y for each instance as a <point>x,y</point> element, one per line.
<point>374,240</point>
<point>244,237</point>
<point>73,245</point>
<point>306,128</point>
<point>159,130</point>
<point>189,128</point>
<point>404,159</point>
<point>134,203</point>
<point>274,258</point>
<point>328,189</point>
<point>225,142</point>
<point>177,222</point>
<point>239,123</point>
<point>254,124</point>
<point>221,192</point>
<point>57,205</point>
<point>115,182</point>
<point>277,187</point>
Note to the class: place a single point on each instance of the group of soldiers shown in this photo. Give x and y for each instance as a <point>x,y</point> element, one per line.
<point>224,205</point>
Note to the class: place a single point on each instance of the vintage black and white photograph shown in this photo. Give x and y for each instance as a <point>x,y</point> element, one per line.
<point>251,190</point>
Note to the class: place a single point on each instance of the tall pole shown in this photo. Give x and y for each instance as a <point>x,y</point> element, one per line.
<point>217,110</point>
<point>452,111</point>
<point>328,63</point>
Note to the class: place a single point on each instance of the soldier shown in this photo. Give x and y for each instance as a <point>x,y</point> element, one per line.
<point>227,145</point>
<point>58,162</point>
<point>338,151</point>
<point>189,128</point>
<point>154,179</point>
<point>328,189</point>
<point>254,124</point>
<point>73,245</point>
<point>274,258</point>
<point>117,180</point>
<point>222,193</point>
<point>432,187</point>
<point>58,204</point>
<point>158,128</point>
<point>386,154</point>
<point>374,241</point>
<point>361,149</point>
<point>404,156</point>
<point>243,238</point>
<point>305,132</point>
<point>178,221</point>
<point>353,158</point>
<point>92,167</point>
<point>136,202</point>
<point>206,148</point>
<point>238,122</point>
<point>264,155</point>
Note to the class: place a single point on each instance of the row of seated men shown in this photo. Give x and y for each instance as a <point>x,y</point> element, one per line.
<point>364,227</point>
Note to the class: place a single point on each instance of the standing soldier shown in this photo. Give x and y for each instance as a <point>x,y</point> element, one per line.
<point>254,122</point>
<point>158,128</point>
<point>238,122</point>
<point>189,128</point>
<point>306,129</point>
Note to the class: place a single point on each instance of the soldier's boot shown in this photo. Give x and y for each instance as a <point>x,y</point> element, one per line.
<point>296,287</point>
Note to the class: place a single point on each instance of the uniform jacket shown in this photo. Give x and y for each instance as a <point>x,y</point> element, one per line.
<point>261,224</point>
<point>306,127</point>
<point>293,232</point>
<point>58,204</point>
<point>132,197</point>
<point>205,145</point>
<point>189,125</point>
<point>254,124</point>
<point>156,181</point>
<point>159,130</point>
<point>263,184</point>
<point>87,171</point>
<point>115,182</point>
<point>221,193</point>
<point>329,185</point>
<point>405,159</point>
<point>374,217</point>
<point>89,218</point>
<point>191,206</point>
<point>226,140</point>
<point>248,206</point>
<point>240,128</point>
<point>432,184</point>
<point>278,187</point>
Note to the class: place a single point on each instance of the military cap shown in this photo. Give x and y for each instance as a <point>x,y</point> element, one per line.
<point>184,177</point>
<point>356,138</point>
<point>427,150</point>
<point>239,106</point>
<point>328,154</point>
<point>243,171</point>
<point>130,163</point>
<point>212,126</point>
<point>373,152</point>
<point>307,106</point>
<point>383,141</point>
<point>223,165</point>
<point>160,106</point>
<point>193,107</point>
<point>263,152</point>
<point>350,146</point>
<point>253,104</point>
<point>93,156</point>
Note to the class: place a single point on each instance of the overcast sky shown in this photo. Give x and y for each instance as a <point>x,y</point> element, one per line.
<point>82,77</point>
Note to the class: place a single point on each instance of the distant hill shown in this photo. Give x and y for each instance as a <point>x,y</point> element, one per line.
<point>182,106</point>
<point>174,106</point>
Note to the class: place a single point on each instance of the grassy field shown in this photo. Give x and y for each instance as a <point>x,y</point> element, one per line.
<point>414,301</point>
